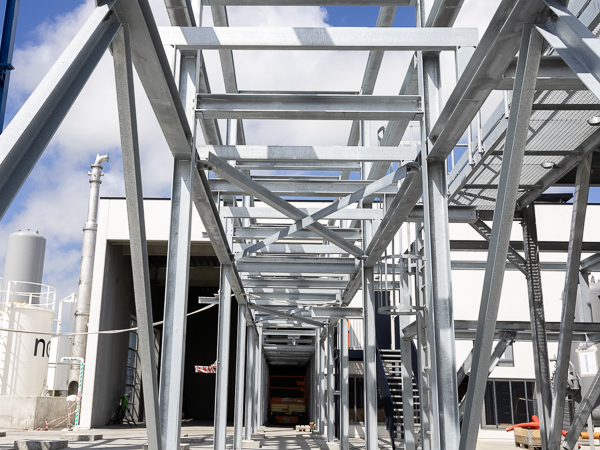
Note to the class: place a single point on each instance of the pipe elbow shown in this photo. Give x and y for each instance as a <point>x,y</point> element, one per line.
<point>100,159</point>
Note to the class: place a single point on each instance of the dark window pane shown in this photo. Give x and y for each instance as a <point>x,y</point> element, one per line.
<point>130,377</point>
<point>490,415</point>
<point>503,403</point>
<point>530,399</point>
<point>519,402</point>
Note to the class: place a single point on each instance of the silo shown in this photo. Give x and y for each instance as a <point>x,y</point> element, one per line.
<point>25,305</point>
<point>24,264</point>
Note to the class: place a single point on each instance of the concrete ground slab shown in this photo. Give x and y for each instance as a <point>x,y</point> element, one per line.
<point>258,436</point>
<point>81,437</point>
<point>34,444</point>
<point>181,447</point>
<point>251,444</point>
<point>330,446</point>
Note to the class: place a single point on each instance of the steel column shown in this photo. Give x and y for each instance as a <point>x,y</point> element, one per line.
<point>512,162</point>
<point>344,386</point>
<point>258,359</point>
<point>538,322</point>
<point>137,231</point>
<point>321,386</point>
<point>251,348</point>
<point>582,188</point>
<point>330,385</point>
<point>369,359</point>
<point>238,415</point>
<point>221,388</point>
<point>437,254</point>
<point>407,385</point>
<point>176,294</point>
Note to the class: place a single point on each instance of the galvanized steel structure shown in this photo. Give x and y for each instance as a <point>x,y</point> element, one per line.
<point>294,271</point>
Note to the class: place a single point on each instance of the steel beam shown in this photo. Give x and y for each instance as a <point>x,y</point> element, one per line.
<point>311,186</point>
<point>343,203</point>
<point>513,256</point>
<point>408,413</point>
<point>538,324</point>
<point>554,74</point>
<point>26,136</point>
<point>155,73</point>
<point>256,189</point>
<point>575,44</point>
<point>334,38</point>
<point>529,57</point>
<point>238,414</point>
<point>331,154</point>
<point>270,213</point>
<point>569,298</point>
<point>307,107</point>
<point>137,231</point>
<point>176,295</point>
<point>286,315</point>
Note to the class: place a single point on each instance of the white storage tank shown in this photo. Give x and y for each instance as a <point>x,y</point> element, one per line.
<point>25,305</point>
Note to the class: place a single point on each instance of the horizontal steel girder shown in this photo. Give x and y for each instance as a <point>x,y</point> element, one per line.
<point>274,153</point>
<point>305,188</point>
<point>269,213</point>
<point>295,265</point>
<point>308,107</point>
<point>262,232</point>
<point>333,38</point>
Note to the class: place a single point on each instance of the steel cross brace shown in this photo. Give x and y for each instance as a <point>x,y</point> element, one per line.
<point>256,189</point>
<point>513,256</point>
<point>372,188</point>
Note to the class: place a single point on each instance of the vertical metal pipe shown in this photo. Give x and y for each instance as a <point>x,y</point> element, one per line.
<point>510,173</point>
<point>137,231</point>
<point>251,348</point>
<point>238,415</point>
<point>538,323</point>
<point>330,385</point>
<point>86,272</point>
<point>344,389</point>
<point>582,188</point>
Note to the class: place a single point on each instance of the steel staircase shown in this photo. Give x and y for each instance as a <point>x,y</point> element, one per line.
<point>391,360</point>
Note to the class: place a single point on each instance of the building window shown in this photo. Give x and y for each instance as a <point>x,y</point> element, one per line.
<point>508,402</point>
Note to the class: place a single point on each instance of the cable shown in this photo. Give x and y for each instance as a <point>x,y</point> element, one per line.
<point>125,330</point>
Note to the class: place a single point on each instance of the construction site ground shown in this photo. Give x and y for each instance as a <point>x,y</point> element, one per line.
<point>124,437</point>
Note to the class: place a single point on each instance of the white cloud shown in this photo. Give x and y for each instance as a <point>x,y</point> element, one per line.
<point>54,199</point>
